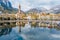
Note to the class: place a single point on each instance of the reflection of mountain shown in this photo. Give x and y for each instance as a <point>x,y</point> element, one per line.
<point>37,10</point>
<point>5,31</point>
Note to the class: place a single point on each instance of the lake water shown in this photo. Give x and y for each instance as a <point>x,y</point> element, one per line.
<point>29,33</point>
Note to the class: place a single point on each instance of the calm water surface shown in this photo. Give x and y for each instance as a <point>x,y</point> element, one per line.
<point>29,33</point>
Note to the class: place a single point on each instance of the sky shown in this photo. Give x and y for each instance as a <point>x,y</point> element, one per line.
<point>28,4</point>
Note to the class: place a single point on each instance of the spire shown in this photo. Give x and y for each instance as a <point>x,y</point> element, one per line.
<point>19,8</point>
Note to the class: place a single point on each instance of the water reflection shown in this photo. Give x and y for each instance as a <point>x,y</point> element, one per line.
<point>6,28</point>
<point>4,31</point>
<point>30,31</point>
<point>55,25</point>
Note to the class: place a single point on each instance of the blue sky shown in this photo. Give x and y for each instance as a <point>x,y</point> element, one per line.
<point>28,4</point>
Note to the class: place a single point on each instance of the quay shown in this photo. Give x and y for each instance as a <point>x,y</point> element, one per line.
<point>26,20</point>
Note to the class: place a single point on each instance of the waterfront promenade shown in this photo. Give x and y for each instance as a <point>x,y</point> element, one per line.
<point>26,20</point>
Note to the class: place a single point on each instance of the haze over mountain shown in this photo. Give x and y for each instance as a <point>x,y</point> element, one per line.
<point>55,9</point>
<point>37,10</point>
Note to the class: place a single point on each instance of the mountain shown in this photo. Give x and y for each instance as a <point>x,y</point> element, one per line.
<point>6,4</point>
<point>14,10</point>
<point>37,10</point>
<point>55,9</point>
<point>7,8</point>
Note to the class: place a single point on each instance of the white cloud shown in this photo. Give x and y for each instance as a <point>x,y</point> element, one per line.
<point>25,5</point>
<point>14,3</point>
<point>47,7</point>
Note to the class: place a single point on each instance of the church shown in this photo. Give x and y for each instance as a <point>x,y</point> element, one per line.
<point>20,14</point>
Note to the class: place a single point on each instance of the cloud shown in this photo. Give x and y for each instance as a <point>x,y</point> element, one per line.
<point>28,4</point>
<point>14,3</point>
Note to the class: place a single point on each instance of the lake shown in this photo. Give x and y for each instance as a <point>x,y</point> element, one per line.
<point>29,32</point>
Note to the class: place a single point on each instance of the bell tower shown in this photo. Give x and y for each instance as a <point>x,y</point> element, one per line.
<point>19,10</point>
<point>18,13</point>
